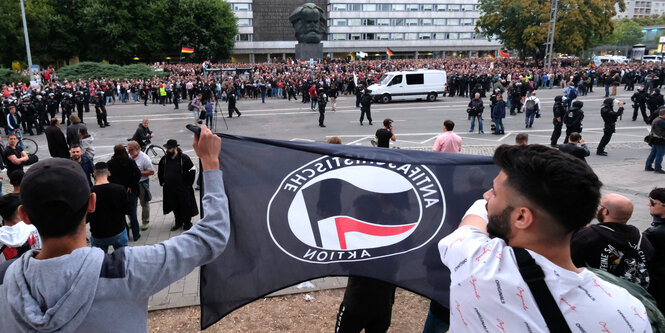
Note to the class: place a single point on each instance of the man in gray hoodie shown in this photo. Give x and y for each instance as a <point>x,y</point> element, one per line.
<point>70,287</point>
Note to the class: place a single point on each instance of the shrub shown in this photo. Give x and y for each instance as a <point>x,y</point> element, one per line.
<point>9,76</point>
<point>94,70</point>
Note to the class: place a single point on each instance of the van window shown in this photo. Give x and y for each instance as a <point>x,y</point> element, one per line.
<point>396,80</point>
<point>415,79</point>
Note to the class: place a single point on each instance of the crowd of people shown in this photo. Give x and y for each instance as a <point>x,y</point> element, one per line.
<point>522,210</point>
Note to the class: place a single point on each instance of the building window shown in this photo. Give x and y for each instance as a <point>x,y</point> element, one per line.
<point>426,35</point>
<point>382,36</point>
<point>439,21</point>
<point>428,8</point>
<point>339,7</point>
<point>441,8</point>
<point>355,22</point>
<point>338,36</point>
<point>453,8</point>
<point>370,36</point>
<point>369,22</point>
<point>452,35</point>
<point>453,21</point>
<point>412,7</point>
<point>383,7</point>
<point>355,7</point>
<point>397,36</point>
<point>356,36</point>
<point>243,38</point>
<point>465,35</point>
<point>398,22</point>
<point>397,7</point>
<point>411,21</point>
<point>383,22</point>
<point>410,36</point>
<point>426,21</point>
<point>467,8</point>
<point>466,21</point>
<point>244,22</point>
<point>439,35</point>
<point>242,7</point>
<point>339,22</point>
<point>369,8</point>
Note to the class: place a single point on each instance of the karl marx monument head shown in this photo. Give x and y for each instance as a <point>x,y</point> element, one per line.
<point>309,23</point>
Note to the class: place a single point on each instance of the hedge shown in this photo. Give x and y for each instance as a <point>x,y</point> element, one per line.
<point>9,76</point>
<point>94,70</point>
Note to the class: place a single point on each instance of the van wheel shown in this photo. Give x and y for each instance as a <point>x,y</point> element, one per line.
<point>385,98</point>
<point>431,97</point>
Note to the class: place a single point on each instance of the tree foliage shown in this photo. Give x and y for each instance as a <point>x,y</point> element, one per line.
<point>522,24</point>
<point>626,32</point>
<point>117,30</point>
<point>96,70</point>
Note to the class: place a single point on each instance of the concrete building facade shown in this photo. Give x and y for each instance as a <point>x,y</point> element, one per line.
<point>433,29</point>
<point>641,8</point>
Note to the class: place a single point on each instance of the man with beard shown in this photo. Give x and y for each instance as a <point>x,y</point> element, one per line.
<point>521,232</point>
<point>176,174</point>
<point>612,245</point>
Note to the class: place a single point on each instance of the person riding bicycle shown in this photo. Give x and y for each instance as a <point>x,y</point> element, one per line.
<point>143,134</point>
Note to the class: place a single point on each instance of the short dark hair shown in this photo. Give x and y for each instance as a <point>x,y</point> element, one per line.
<point>658,193</point>
<point>574,136</point>
<point>54,121</point>
<point>522,138</point>
<point>8,205</point>
<point>449,125</point>
<point>12,134</point>
<point>76,145</point>
<point>565,187</point>
<point>15,177</point>
<point>64,223</point>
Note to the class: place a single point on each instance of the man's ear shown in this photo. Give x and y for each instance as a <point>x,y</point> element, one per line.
<point>23,215</point>
<point>523,218</point>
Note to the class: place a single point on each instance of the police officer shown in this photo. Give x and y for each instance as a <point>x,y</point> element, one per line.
<point>321,100</point>
<point>231,100</point>
<point>28,113</point>
<point>365,107</point>
<point>79,100</point>
<point>100,109</point>
<point>639,99</point>
<point>86,98</point>
<point>42,117</point>
<point>52,105</point>
<point>67,107</point>
<point>573,119</point>
<point>609,118</point>
<point>654,101</point>
<point>559,110</point>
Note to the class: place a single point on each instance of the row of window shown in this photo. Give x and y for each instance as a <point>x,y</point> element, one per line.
<point>401,22</point>
<point>241,7</point>
<point>401,7</point>
<point>385,36</point>
<point>404,36</point>
<point>244,22</point>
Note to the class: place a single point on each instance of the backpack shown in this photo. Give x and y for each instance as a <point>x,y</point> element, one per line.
<point>531,105</point>
<point>572,93</point>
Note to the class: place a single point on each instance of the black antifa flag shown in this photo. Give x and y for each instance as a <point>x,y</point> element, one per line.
<point>301,211</point>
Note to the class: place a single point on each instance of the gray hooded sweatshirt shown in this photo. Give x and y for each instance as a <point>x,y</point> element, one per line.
<point>90,291</point>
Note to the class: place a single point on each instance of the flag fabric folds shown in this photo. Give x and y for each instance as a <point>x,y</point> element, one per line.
<point>187,50</point>
<point>389,52</point>
<point>504,54</point>
<point>491,56</point>
<point>301,211</point>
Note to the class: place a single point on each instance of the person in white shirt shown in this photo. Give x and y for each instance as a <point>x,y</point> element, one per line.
<point>530,108</point>
<point>16,236</point>
<point>540,197</point>
<point>145,166</point>
<point>448,142</point>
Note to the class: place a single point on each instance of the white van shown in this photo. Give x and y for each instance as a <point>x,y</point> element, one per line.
<point>651,58</point>
<point>409,85</point>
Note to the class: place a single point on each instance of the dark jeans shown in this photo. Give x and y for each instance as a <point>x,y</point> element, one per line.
<point>367,112</point>
<point>182,216</point>
<point>133,220</point>
<point>348,322</point>
<point>321,116</point>
<point>435,325</point>
<point>556,134</point>
<point>607,135</point>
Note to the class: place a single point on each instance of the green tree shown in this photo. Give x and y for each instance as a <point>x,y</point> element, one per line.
<point>626,32</point>
<point>207,26</point>
<point>522,24</point>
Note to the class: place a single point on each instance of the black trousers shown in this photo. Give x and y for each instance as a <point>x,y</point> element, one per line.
<point>86,106</point>
<point>65,115</point>
<point>175,101</point>
<point>348,322</point>
<point>182,217</point>
<point>556,134</point>
<point>367,112</point>
<point>321,116</point>
<point>607,135</point>
<point>643,110</point>
<point>101,116</point>
<point>515,105</point>
<point>233,108</point>
<point>79,111</point>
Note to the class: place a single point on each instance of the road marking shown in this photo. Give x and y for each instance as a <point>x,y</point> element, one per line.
<point>430,139</point>
<point>359,140</point>
<point>505,136</point>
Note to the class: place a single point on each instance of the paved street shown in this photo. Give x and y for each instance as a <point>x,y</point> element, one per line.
<point>416,126</point>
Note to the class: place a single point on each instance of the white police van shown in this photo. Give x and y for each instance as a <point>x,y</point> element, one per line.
<point>409,85</point>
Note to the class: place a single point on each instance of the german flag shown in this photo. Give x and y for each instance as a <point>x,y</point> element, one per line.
<point>491,56</point>
<point>187,50</point>
<point>389,52</point>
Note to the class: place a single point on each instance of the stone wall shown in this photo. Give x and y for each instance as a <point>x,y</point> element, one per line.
<point>271,18</point>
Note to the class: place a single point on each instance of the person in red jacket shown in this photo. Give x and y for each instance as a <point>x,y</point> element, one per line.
<point>313,96</point>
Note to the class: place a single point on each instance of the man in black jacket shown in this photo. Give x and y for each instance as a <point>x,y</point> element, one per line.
<point>559,110</point>
<point>573,119</point>
<point>572,147</point>
<point>656,235</point>
<point>176,174</point>
<point>639,100</point>
<point>654,101</point>
<point>143,134</point>
<point>613,245</point>
<point>610,119</point>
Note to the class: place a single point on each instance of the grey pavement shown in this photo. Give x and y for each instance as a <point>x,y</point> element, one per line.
<point>416,126</point>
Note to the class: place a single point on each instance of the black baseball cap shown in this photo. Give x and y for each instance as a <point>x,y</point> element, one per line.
<point>56,180</point>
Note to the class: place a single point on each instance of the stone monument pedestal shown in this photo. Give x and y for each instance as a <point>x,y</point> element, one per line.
<point>306,51</point>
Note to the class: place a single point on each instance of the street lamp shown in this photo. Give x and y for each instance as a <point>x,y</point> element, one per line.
<point>27,40</point>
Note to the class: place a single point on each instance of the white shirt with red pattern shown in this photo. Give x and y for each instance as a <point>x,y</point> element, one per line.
<point>17,239</point>
<point>488,294</point>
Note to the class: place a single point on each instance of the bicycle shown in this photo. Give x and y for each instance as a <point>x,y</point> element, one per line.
<point>154,152</point>
<point>30,147</point>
